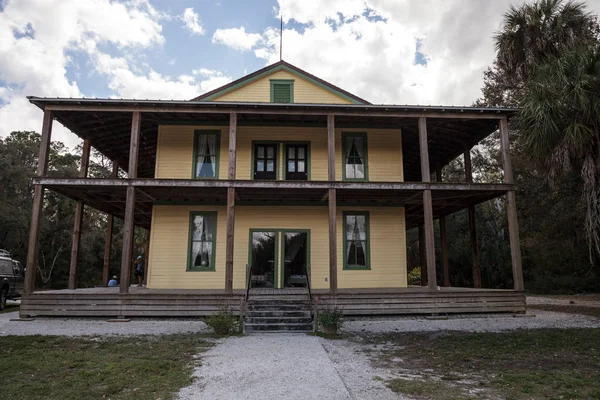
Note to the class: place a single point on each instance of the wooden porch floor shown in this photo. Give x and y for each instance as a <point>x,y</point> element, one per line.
<point>144,302</point>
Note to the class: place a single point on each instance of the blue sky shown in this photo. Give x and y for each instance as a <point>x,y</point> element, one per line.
<point>389,52</point>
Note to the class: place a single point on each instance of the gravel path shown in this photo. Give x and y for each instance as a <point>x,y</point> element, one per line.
<point>586,301</point>
<point>291,366</point>
<point>96,326</point>
<point>481,323</point>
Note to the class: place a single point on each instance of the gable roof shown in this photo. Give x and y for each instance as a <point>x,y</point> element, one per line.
<point>278,66</point>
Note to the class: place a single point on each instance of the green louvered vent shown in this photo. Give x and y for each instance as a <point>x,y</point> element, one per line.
<point>283,93</point>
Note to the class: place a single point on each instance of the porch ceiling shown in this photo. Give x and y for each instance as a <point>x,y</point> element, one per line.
<point>108,124</point>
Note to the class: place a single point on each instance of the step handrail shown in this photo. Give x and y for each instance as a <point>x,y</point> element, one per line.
<point>308,281</point>
<point>249,276</point>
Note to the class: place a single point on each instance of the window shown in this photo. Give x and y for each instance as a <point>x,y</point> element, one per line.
<point>203,227</point>
<point>265,161</point>
<point>282,90</point>
<point>296,162</point>
<point>354,156</point>
<point>356,240</point>
<point>206,154</point>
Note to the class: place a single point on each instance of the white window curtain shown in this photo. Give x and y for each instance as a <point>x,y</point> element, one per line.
<point>355,161</point>
<point>356,237</point>
<point>206,162</point>
<point>202,246</point>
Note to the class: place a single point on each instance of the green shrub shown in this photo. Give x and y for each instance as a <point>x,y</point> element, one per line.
<point>224,322</point>
<point>414,276</point>
<point>330,318</point>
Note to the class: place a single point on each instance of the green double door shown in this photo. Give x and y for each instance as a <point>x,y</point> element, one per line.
<point>279,258</point>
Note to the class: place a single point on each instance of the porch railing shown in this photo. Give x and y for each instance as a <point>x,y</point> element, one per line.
<point>308,281</point>
<point>249,280</point>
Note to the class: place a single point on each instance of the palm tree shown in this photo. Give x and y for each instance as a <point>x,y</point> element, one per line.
<point>533,32</point>
<point>559,124</point>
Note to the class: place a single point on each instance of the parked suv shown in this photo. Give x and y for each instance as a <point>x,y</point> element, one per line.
<point>11,278</point>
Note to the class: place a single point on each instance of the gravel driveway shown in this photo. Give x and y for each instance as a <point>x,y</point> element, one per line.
<point>290,366</point>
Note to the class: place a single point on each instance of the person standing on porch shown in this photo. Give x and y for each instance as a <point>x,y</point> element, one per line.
<point>139,270</point>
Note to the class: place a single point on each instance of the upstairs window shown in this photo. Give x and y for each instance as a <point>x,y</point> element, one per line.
<point>282,90</point>
<point>354,156</point>
<point>206,155</point>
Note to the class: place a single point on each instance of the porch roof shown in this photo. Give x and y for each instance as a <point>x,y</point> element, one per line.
<point>107,123</point>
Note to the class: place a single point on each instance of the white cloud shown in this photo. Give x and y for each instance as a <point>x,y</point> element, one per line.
<point>368,46</point>
<point>192,22</point>
<point>236,38</point>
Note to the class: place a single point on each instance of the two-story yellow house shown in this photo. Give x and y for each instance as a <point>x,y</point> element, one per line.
<point>276,184</point>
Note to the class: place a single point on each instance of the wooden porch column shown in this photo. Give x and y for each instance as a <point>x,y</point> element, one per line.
<point>472,226</point>
<point>332,197</point>
<point>146,257</point>
<point>511,209</point>
<point>128,227</point>
<point>79,208</point>
<point>427,206</point>
<point>108,238</point>
<point>38,202</point>
<point>229,249</point>
<point>443,240</point>
<point>422,256</point>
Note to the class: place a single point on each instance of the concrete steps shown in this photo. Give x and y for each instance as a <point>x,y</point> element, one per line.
<point>278,314</point>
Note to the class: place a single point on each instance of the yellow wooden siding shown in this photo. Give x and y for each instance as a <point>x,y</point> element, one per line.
<point>175,150</point>
<point>304,91</point>
<point>170,236</point>
<point>387,234</point>
<point>169,250</point>
<point>384,154</point>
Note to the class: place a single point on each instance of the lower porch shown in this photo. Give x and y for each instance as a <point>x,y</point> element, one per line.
<point>144,302</point>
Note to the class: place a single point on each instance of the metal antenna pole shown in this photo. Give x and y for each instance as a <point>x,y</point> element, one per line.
<point>281,39</point>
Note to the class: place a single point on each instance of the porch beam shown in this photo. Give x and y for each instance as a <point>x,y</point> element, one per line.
<point>332,242</point>
<point>37,207</point>
<point>475,253</point>
<point>443,240</point>
<point>78,220</point>
<point>511,209</point>
<point>128,227</point>
<point>229,249</point>
<point>422,256</point>
<point>427,206</point>
<point>108,238</point>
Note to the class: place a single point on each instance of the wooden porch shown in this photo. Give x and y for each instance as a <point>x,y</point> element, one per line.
<point>143,302</point>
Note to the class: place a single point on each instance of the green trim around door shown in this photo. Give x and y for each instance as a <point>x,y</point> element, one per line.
<point>277,157</point>
<point>284,156</point>
<point>197,133</point>
<point>361,135</point>
<point>367,240</point>
<point>190,241</point>
<point>280,162</point>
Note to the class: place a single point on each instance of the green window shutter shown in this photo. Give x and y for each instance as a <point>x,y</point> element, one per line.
<point>282,91</point>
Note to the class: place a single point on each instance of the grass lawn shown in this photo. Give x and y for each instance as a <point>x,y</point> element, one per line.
<point>52,367</point>
<point>537,364</point>
<point>10,307</point>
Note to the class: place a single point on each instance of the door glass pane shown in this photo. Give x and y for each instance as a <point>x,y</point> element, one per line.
<point>300,166</point>
<point>291,166</point>
<point>291,152</point>
<point>260,166</point>
<point>301,153</point>
<point>263,259</point>
<point>270,166</point>
<point>261,152</point>
<point>295,259</point>
<point>270,152</point>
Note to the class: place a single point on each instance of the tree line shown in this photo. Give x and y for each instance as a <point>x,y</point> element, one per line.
<point>547,65</point>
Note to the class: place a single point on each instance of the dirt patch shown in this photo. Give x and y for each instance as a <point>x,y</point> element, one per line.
<point>568,309</point>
